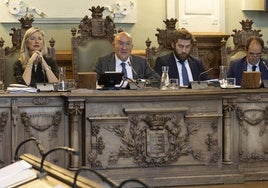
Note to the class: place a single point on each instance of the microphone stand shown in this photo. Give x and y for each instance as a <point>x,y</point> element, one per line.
<point>130,64</point>
<point>42,172</point>
<point>198,84</point>
<point>102,177</point>
<point>39,146</point>
<point>203,73</point>
<point>134,181</point>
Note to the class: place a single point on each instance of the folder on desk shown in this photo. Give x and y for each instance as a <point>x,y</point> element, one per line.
<point>16,174</point>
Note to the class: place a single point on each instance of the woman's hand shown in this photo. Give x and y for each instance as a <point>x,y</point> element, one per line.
<point>36,57</point>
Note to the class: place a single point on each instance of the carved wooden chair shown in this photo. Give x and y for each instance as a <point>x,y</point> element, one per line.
<point>9,55</point>
<point>240,37</point>
<point>94,40</point>
<point>164,39</point>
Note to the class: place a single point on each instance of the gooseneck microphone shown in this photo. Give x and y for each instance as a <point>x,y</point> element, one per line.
<point>67,149</point>
<point>102,177</point>
<point>125,78</point>
<point>130,64</point>
<point>133,181</point>
<point>199,77</point>
<point>38,145</point>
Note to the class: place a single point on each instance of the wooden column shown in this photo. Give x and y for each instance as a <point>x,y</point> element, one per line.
<point>75,110</point>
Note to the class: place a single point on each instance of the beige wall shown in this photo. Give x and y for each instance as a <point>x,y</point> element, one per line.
<point>151,14</point>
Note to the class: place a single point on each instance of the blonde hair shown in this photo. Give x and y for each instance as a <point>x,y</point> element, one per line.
<point>24,50</point>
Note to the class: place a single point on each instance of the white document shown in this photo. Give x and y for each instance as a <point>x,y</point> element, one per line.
<point>21,89</point>
<point>16,174</point>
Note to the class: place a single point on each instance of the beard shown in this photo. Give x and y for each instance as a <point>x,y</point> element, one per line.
<point>181,57</point>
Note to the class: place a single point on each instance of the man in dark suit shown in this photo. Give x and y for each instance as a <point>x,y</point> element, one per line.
<point>134,67</point>
<point>251,62</point>
<point>181,64</point>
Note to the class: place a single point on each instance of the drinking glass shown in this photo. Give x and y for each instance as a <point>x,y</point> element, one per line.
<point>223,76</point>
<point>174,83</point>
<point>62,79</point>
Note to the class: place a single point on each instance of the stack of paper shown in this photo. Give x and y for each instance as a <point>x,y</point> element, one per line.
<point>19,88</point>
<point>16,174</point>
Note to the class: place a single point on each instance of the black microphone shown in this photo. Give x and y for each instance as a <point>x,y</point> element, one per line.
<point>67,149</point>
<point>198,81</point>
<point>102,177</point>
<point>130,64</point>
<point>39,146</point>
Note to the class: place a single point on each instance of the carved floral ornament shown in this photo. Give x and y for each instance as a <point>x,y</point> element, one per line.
<point>52,120</point>
<point>259,119</point>
<point>252,117</point>
<point>3,120</point>
<point>154,140</point>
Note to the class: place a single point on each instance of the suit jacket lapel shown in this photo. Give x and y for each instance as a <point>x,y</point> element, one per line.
<point>111,63</point>
<point>135,66</point>
<point>193,69</point>
<point>173,69</point>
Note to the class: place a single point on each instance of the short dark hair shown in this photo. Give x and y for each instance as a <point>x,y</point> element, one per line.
<point>182,34</point>
<point>255,38</point>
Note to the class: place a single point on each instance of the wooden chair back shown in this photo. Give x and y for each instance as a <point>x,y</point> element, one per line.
<point>164,40</point>
<point>240,37</point>
<point>9,55</point>
<point>92,40</point>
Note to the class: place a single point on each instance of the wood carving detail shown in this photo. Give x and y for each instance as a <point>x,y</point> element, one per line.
<point>41,101</point>
<point>229,105</point>
<point>212,143</point>
<point>95,27</point>
<point>254,97</point>
<point>155,140</point>
<point>252,117</point>
<point>26,120</point>
<point>253,156</point>
<point>98,146</point>
<point>75,108</point>
<point>3,120</point>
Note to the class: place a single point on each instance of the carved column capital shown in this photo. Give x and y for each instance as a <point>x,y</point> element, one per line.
<point>229,104</point>
<point>75,107</point>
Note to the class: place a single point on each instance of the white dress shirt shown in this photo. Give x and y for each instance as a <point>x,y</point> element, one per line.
<point>118,67</point>
<point>249,67</point>
<point>189,72</point>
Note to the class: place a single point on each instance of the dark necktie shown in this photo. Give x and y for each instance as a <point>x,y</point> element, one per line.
<point>185,78</point>
<point>254,68</point>
<point>124,70</point>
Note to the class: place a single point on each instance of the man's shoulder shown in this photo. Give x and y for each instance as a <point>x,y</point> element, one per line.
<point>164,58</point>
<point>108,56</point>
<point>238,60</point>
<point>137,58</point>
<point>193,59</point>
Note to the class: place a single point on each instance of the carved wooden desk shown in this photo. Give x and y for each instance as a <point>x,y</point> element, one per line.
<point>164,138</point>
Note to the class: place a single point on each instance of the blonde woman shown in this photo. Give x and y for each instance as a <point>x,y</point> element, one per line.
<point>33,65</point>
